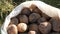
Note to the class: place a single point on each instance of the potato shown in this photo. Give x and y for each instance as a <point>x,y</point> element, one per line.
<point>22,27</point>
<point>12,29</point>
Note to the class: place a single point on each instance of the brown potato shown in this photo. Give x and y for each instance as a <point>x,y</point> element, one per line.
<point>45,27</point>
<point>23,19</point>
<point>14,20</point>
<point>12,29</point>
<point>34,17</point>
<point>55,25</point>
<point>33,27</point>
<point>26,11</point>
<point>35,9</point>
<point>22,27</point>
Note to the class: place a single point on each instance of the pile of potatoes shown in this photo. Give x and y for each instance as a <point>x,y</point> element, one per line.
<point>33,21</point>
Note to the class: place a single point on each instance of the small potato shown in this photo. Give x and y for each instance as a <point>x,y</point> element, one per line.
<point>23,19</point>
<point>31,32</point>
<point>14,20</point>
<point>45,27</point>
<point>22,27</point>
<point>33,27</point>
<point>34,17</point>
<point>35,9</point>
<point>26,11</point>
<point>12,29</point>
<point>55,24</point>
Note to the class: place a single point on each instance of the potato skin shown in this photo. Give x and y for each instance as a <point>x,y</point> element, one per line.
<point>12,29</point>
<point>33,27</point>
<point>26,11</point>
<point>22,27</point>
<point>45,27</point>
<point>34,17</point>
<point>23,19</point>
<point>14,20</point>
